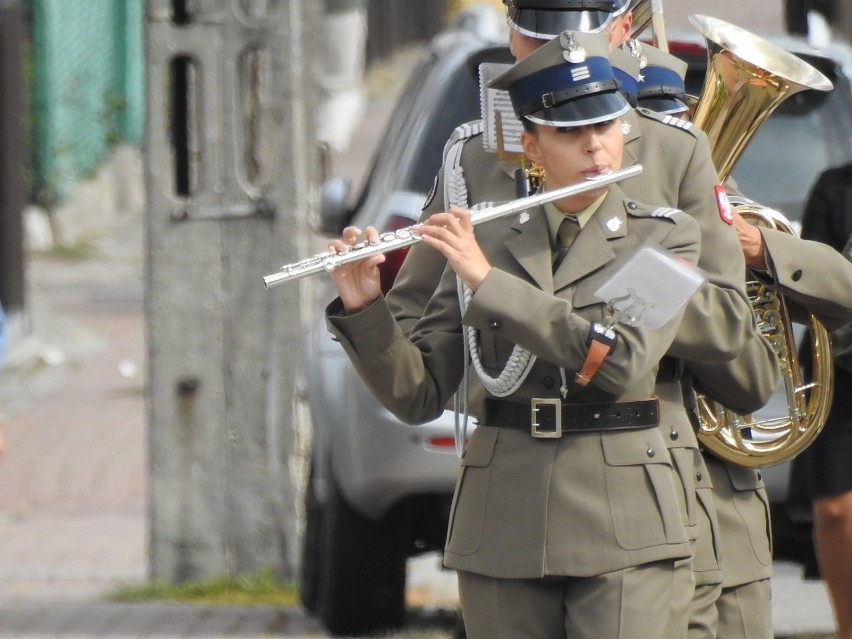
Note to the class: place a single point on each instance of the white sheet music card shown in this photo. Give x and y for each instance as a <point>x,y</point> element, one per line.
<point>651,287</point>
<point>495,107</point>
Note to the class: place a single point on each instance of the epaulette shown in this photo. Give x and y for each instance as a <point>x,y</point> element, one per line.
<point>464,132</point>
<point>670,120</point>
<point>455,187</point>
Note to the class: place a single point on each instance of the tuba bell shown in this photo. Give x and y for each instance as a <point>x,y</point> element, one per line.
<point>747,78</point>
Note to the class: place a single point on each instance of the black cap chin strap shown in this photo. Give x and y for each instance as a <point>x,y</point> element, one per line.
<point>557,98</point>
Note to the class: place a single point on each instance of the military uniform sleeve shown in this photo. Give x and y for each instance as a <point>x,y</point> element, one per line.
<point>412,380</point>
<point>721,314</point>
<point>812,274</point>
<point>744,384</point>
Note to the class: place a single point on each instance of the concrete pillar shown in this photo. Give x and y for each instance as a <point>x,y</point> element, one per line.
<point>229,156</point>
<point>14,162</point>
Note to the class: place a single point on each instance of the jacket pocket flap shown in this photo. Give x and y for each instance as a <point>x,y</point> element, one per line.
<point>744,478</point>
<point>635,448</point>
<point>480,448</point>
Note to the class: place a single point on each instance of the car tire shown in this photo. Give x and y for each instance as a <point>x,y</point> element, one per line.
<point>353,570</point>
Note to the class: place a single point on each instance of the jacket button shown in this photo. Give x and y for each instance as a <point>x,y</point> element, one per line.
<point>495,324</point>
<point>797,275</point>
<point>759,476</point>
<point>632,206</point>
<point>547,382</point>
<point>674,434</point>
<point>699,476</point>
<point>651,452</point>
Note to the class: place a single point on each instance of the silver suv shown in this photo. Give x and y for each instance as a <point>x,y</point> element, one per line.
<point>380,490</point>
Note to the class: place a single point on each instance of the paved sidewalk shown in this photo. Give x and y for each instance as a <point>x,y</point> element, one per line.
<point>73,482</point>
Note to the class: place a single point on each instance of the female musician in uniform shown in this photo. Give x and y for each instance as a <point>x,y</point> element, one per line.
<point>566,524</point>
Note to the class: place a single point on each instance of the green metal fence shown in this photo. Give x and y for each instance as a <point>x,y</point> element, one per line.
<point>88,86</point>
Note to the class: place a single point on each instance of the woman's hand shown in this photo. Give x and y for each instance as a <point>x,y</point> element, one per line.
<point>358,282</point>
<point>452,234</point>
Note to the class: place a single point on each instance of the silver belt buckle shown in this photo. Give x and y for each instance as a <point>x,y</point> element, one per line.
<point>535,427</point>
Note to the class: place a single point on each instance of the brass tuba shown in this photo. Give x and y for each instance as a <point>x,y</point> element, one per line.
<point>747,78</point>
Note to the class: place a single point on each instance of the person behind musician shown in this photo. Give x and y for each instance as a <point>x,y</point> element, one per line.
<point>824,280</point>
<point>741,603</point>
<point>569,526</point>
<point>814,278</point>
<point>660,87</point>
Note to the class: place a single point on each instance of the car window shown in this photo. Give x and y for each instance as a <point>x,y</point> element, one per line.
<point>442,93</point>
<point>798,142</point>
<point>458,102</point>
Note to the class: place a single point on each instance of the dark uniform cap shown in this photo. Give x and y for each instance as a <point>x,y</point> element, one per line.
<point>567,82</point>
<point>661,85</point>
<point>546,19</point>
<point>625,67</point>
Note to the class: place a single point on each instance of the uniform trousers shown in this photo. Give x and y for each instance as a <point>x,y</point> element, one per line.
<point>745,603</point>
<point>744,611</point>
<point>638,602</point>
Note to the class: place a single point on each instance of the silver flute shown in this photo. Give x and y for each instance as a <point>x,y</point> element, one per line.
<point>393,240</point>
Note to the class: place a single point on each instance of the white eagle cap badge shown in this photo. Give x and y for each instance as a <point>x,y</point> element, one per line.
<point>571,51</point>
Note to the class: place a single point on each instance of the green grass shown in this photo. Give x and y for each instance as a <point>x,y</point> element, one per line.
<point>256,589</point>
<point>79,252</point>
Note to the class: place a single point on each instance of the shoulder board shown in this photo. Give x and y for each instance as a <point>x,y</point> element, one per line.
<point>669,120</point>
<point>665,212</point>
<point>643,210</point>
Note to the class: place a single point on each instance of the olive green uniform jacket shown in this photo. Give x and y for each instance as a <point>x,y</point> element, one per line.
<point>581,505</point>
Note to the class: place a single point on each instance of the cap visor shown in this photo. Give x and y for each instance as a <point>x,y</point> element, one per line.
<point>592,109</point>
<point>663,105</point>
<point>546,25</point>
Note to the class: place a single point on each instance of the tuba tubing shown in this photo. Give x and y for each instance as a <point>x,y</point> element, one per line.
<point>648,14</point>
<point>747,78</point>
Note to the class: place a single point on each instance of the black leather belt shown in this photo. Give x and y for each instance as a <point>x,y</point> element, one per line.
<point>548,417</point>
